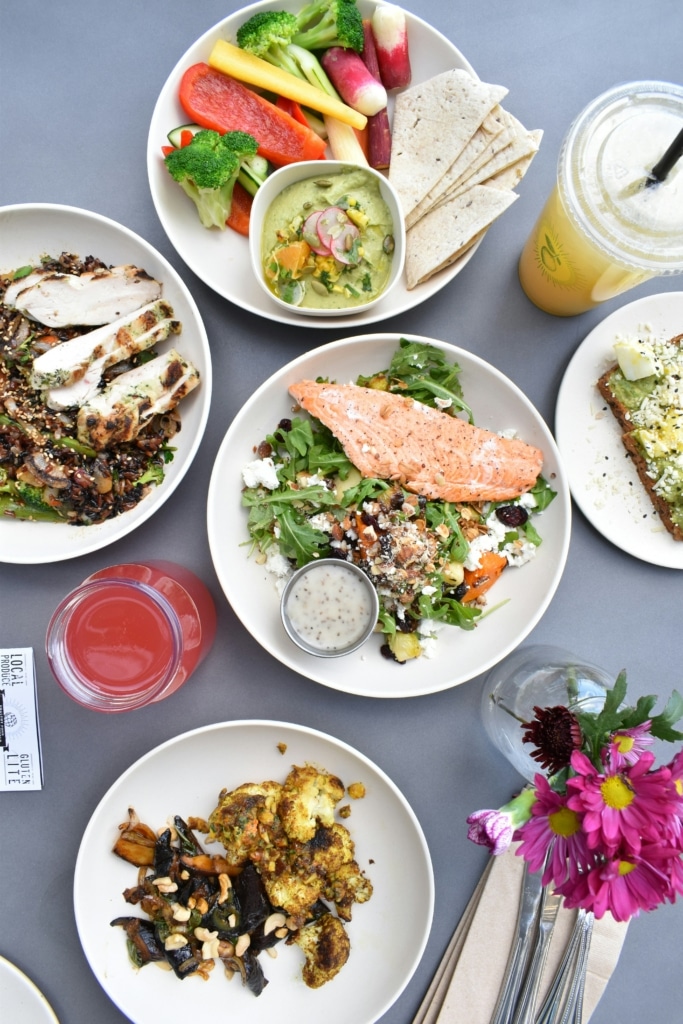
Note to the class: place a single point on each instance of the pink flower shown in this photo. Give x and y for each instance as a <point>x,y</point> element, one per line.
<point>623,885</point>
<point>620,809</point>
<point>554,831</point>
<point>626,745</point>
<point>494,828</point>
<point>490,828</point>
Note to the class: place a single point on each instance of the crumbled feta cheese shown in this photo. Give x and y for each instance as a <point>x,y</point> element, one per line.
<point>276,563</point>
<point>428,591</point>
<point>429,637</point>
<point>320,522</point>
<point>489,541</point>
<point>261,473</point>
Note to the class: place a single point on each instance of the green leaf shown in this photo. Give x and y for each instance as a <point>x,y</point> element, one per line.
<point>662,724</point>
<point>543,493</point>
<point>298,540</point>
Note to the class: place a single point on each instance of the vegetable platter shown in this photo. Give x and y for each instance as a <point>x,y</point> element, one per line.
<point>221,258</point>
<point>384,952</point>
<point>30,231</point>
<point>519,597</point>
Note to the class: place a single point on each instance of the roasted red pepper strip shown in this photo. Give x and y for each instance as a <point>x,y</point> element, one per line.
<point>215,100</point>
<point>292,108</point>
<point>240,210</point>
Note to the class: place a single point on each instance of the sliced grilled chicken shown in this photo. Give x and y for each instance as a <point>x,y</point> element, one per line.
<point>90,299</point>
<point>69,373</point>
<point>121,410</point>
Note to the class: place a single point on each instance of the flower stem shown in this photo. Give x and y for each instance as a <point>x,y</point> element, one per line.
<point>498,701</point>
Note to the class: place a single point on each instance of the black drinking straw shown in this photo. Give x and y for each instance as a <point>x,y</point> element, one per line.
<point>663,166</point>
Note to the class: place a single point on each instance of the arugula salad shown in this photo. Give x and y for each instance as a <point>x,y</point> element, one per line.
<point>432,561</point>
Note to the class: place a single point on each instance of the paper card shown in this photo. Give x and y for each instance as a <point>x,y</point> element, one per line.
<point>22,767</point>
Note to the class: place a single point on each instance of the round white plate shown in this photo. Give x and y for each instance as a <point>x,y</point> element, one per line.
<point>602,478</point>
<point>524,593</point>
<point>21,1001</point>
<point>221,258</point>
<point>27,232</point>
<point>185,776</point>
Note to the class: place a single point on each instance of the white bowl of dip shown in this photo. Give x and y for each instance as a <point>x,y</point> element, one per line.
<point>329,607</point>
<point>326,238</point>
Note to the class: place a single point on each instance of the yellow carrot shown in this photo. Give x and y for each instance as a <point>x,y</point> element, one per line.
<point>237,63</point>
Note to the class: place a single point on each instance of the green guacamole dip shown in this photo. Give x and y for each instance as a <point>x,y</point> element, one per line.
<point>327,241</point>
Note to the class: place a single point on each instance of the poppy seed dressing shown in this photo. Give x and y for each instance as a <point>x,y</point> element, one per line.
<point>329,607</point>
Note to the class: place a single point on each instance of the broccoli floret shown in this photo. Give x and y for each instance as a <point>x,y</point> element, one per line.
<point>268,35</point>
<point>325,23</point>
<point>207,169</point>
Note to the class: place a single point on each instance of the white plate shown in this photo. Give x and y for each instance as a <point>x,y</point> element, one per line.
<point>185,776</point>
<point>21,1001</point>
<point>601,475</point>
<point>526,592</point>
<point>221,258</point>
<point>27,232</point>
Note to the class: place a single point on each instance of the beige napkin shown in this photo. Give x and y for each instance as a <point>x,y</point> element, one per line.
<point>468,979</point>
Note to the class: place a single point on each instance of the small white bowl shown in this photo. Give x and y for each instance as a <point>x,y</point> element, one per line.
<point>306,170</point>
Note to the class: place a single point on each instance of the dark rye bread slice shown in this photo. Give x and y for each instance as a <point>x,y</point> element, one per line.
<point>622,416</point>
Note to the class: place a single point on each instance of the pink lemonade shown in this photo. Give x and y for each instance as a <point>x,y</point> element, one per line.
<point>131,634</point>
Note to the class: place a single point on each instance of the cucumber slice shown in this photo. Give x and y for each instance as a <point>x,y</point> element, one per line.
<point>174,136</point>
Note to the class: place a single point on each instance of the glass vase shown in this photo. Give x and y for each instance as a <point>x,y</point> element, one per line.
<point>536,676</point>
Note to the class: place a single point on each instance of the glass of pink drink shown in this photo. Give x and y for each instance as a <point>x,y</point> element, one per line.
<point>130,635</point>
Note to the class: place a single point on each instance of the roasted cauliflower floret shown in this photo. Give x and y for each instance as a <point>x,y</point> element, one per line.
<point>246,821</point>
<point>309,797</point>
<point>299,874</point>
<point>346,886</point>
<point>326,947</point>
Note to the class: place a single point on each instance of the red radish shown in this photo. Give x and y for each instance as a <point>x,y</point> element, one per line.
<point>378,129</point>
<point>353,81</point>
<point>343,246</point>
<point>310,234</point>
<point>391,41</point>
<point>330,224</point>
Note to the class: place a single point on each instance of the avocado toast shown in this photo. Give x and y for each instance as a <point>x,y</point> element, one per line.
<point>644,390</point>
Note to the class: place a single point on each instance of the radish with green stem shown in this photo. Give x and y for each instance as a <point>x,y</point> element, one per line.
<point>391,41</point>
<point>353,81</point>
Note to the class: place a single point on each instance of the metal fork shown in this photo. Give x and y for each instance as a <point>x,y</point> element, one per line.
<point>526,1006</point>
<point>564,1000</point>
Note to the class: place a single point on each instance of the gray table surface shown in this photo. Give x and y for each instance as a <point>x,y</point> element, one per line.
<point>78,85</point>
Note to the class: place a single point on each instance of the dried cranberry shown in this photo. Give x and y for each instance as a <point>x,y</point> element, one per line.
<point>407,624</point>
<point>512,515</point>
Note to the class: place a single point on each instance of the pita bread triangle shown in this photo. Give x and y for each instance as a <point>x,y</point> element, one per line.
<point>432,124</point>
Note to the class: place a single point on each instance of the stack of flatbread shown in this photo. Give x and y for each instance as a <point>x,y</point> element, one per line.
<point>456,157</point>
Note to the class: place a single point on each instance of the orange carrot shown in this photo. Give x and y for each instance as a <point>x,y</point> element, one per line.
<point>214,100</point>
<point>491,565</point>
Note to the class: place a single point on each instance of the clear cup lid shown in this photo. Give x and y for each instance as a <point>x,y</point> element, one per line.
<point>604,164</point>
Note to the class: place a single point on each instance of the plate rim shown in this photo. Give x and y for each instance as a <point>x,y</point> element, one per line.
<point>377,313</point>
<point>99,538</point>
<point>29,985</point>
<point>388,337</point>
<point>277,727</point>
<point>647,549</point>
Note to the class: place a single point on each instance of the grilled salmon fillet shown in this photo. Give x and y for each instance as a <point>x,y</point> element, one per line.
<point>429,452</point>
